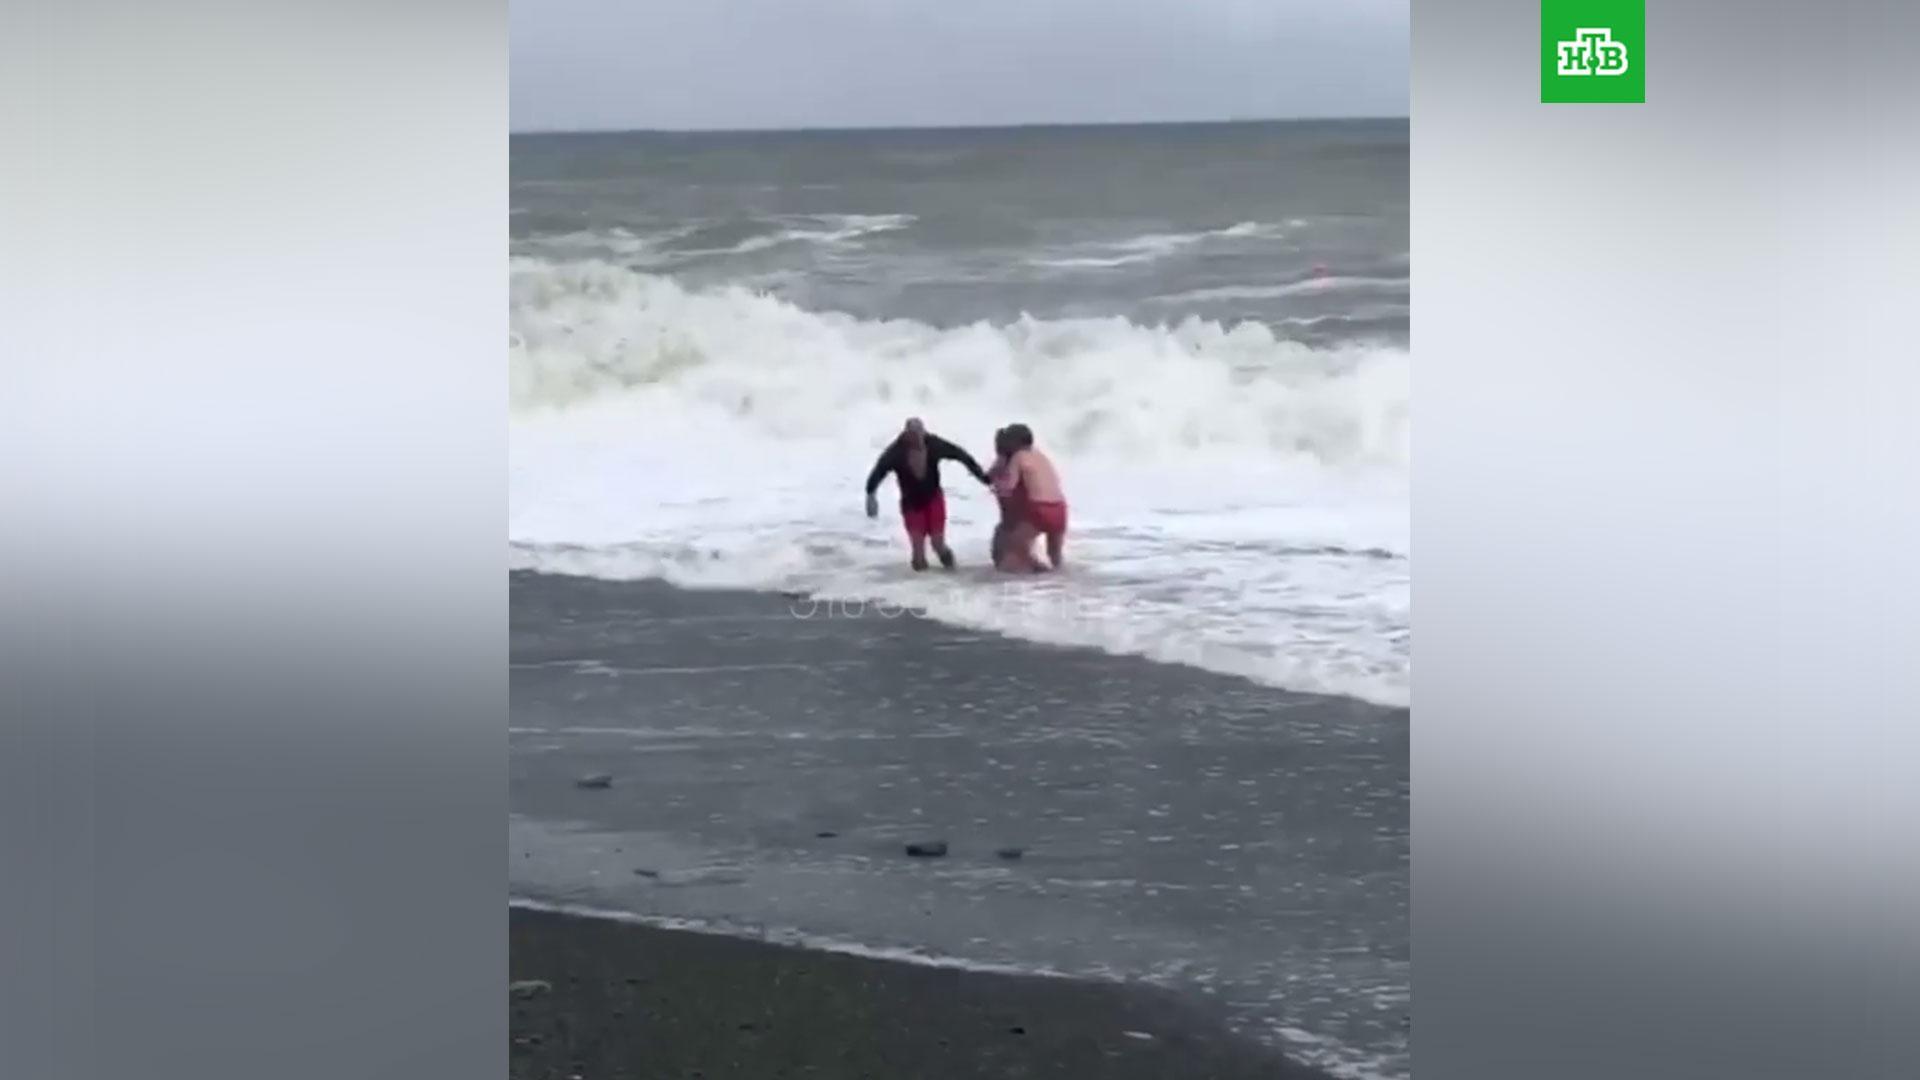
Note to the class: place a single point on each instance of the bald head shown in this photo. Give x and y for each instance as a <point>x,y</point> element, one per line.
<point>914,432</point>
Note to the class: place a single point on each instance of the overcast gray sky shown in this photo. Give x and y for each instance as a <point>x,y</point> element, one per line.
<point>619,64</point>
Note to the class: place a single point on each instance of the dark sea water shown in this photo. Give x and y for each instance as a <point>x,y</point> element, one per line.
<point>1302,226</point>
<point>1205,325</point>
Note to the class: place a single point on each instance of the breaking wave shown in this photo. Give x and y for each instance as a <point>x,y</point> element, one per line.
<point>1239,497</point>
<point>1102,387</point>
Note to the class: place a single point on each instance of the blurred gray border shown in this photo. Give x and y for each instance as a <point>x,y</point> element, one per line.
<point>1665,519</point>
<point>253,615</point>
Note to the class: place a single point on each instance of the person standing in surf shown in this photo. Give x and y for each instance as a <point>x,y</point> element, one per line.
<point>1007,556</point>
<point>914,459</point>
<point>1012,509</point>
<point>1031,477</point>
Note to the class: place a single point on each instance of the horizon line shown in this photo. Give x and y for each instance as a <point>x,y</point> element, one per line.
<point>1020,125</point>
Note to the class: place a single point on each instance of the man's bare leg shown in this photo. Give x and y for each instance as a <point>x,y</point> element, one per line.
<point>941,549</point>
<point>1019,553</point>
<point>919,542</point>
<point>1056,549</point>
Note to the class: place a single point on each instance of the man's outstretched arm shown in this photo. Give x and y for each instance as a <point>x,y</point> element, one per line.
<point>953,453</point>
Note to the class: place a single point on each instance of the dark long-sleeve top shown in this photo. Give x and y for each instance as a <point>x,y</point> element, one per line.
<point>917,491</point>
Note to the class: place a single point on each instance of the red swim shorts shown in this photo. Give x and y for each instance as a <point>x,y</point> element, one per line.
<point>1049,517</point>
<point>929,518</point>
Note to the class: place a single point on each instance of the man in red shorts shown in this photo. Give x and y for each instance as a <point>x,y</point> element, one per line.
<point>1031,477</point>
<point>914,460</point>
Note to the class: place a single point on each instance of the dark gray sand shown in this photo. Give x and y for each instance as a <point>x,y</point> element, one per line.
<point>626,1001</point>
<point>760,765</point>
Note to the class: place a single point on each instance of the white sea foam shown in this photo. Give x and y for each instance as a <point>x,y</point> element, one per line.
<point>821,229</point>
<point>1089,262</point>
<point>1158,242</point>
<point>659,247</point>
<point>1239,500</point>
<point>1152,246</point>
<point>1305,286</point>
<point>784,936</point>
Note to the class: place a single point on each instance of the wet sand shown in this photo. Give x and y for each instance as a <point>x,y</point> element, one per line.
<point>629,1001</point>
<point>1241,849</point>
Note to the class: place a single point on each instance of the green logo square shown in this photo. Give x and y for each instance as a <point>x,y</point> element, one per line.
<point>1593,50</point>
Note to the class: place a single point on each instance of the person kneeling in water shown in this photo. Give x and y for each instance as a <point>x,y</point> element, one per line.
<point>1012,510</point>
<point>914,459</point>
<point>1031,474</point>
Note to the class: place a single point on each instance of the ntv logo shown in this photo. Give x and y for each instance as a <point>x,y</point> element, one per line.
<point>1592,52</point>
<point>1583,38</point>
